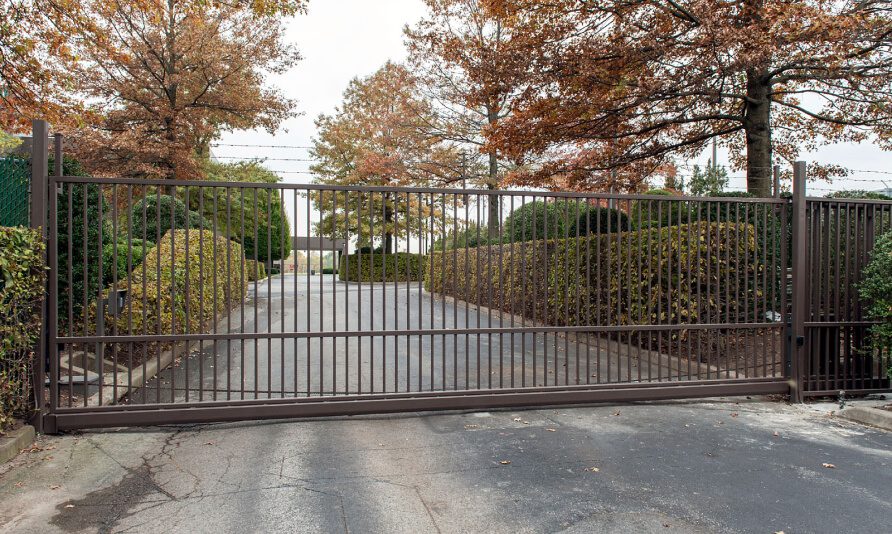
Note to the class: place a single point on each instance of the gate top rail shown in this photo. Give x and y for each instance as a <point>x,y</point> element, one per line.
<point>862,201</point>
<point>424,190</point>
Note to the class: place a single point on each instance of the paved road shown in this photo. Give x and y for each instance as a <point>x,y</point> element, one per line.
<point>346,365</point>
<point>720,465</point>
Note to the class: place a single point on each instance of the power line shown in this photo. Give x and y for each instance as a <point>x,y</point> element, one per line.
<point>261,146</point>
<point>266,159</point>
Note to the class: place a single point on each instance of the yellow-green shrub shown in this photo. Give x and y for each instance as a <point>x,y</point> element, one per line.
<point>22,285</point>
<point>651,276</point>
<point>162,305</point>
<point>256,270</point>
<point>399,267</point>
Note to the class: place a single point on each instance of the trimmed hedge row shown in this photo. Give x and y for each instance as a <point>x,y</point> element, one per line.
<point>600,280</point>
<point>399,267</point>
<point>22,282</point>
<point>255,270</point>
<point>876,289</point>
<point>168,306</point>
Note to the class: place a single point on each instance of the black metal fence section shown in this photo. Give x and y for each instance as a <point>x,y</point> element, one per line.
<point>175,301</point>
<point>565,297</point>
<point>839,354</point>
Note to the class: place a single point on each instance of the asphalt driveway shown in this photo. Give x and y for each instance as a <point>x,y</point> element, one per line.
<point>271,368</point>
<point>718,465</point>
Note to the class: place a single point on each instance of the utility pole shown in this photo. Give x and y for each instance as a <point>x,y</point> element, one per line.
<point>715,156</point>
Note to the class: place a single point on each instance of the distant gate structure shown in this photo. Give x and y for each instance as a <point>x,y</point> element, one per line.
<point>313,243</point>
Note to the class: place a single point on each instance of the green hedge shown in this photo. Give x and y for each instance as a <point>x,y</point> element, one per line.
<point>22,279</point>
<point>82,237</point>
<point>118,259</point>
<point>399,267</point>
<point>255,270</point>
<point>876,290</point>
<point>168,306</point>
<point>546,279</point>
<point>151,217</point>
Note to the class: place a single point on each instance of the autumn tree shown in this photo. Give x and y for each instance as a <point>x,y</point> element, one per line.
<point>459,52</point>
<point>36,60</point>
<point>612,84</point>
<point>168,76</point>
<point>378,137</point>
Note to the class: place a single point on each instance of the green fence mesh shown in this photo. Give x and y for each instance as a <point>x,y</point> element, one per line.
<point>15,176</point>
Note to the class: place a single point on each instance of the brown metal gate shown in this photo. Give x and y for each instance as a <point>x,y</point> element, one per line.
<point>564,298</point>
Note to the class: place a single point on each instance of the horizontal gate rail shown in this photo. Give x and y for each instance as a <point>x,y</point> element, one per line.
<point>298,408</point>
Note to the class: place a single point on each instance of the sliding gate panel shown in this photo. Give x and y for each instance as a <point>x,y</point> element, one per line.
<point>184,301</point>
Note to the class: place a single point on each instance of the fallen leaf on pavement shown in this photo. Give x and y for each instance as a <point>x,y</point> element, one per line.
<point>505,462</point>
<point>69,506</point>
<point>593,470</point>
<point>518,419</point>
<point>616,413</point>
<point>828,466</point>
<point>550,430</point>
<point>55,487</point>
<point>776,434</point>
<point>734,414</point>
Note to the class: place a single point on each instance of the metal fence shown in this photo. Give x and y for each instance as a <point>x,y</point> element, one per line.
<point>445,299</point>
<point>840,356</point>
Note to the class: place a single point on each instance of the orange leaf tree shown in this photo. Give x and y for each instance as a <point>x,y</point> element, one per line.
<point>615,84</point>
<point>378,137</point>
<point>460,52</point>
<point>163,78</point>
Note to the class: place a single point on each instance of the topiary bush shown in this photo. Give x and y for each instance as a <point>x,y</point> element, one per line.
<point>472,236</point>
<point>164,306</point>
<point>541,220</point>
<point>155,215</point>
<point>659,213</point>
<point>876,289</point>
<point>22,286</point>
<point>399,267</point>
<point>234,205</point>
<point>596,220</point>
<point>118,259</point>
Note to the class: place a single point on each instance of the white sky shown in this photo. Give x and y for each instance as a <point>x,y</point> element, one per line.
<point>342,39</point>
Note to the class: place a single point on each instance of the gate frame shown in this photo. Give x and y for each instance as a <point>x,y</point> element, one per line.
<point>795,349</point>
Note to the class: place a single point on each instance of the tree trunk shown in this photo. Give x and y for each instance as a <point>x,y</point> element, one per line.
<point>388,231</point>
<point>757,125</point>
<point>492,182</point>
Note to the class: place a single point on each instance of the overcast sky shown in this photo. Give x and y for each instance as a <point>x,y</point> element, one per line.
<point>341,39</point>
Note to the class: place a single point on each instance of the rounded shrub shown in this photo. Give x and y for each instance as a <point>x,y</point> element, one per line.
<point>599,220</point>
<point>541,220</point>
<point>659,213</point>
<point>156,214</point>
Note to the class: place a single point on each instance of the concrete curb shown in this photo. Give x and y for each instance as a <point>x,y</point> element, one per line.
<point>869,416</point>
<point>13,442</point>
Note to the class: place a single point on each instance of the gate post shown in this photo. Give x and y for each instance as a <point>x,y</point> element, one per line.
<point>796,340</point>
<point>38,220</point>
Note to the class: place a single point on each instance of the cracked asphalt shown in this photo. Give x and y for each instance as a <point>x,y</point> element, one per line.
<point>717,465</point>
